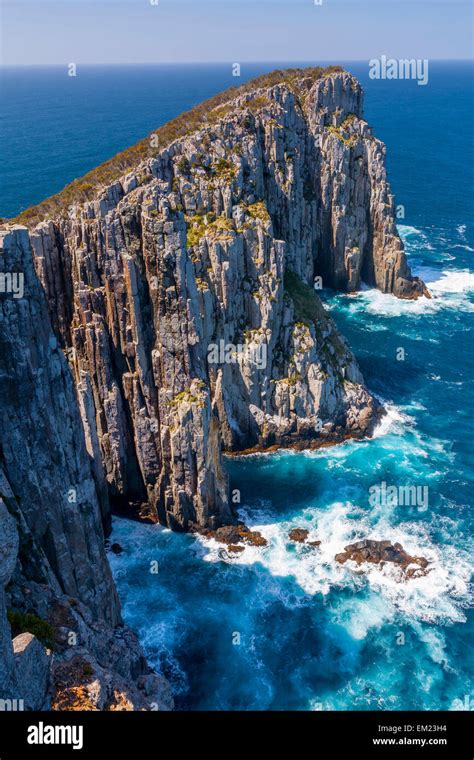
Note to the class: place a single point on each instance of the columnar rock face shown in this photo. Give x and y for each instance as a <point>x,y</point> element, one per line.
<point>356,238</point>
<point>43,452</point>
<point>54,574</point>
<point>212,244</point>
<point>171,318</point>
<point>8,556</point>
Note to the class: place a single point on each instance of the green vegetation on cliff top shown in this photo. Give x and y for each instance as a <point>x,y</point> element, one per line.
<point>202,115</point>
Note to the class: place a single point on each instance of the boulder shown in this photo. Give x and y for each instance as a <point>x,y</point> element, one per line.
<point>228,534</point>
<point>300,535</point>
<point>82,684</point>
<point>235,549</point>
<point>253,537</point>
<point>32,668</point>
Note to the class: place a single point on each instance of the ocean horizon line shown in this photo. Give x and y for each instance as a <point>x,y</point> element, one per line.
<point>327,62</point>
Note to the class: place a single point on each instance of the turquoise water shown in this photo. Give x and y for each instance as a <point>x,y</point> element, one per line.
<point>313,635</point>
<point>285,626</point>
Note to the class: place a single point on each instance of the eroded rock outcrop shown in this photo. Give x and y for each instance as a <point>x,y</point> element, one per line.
<point>300,536</point>
<point>380,552</point>
<point>234,535</point>
<point>32,669</point>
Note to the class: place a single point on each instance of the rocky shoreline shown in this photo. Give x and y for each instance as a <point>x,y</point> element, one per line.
<point>309,444</point>
<point>382,552</point>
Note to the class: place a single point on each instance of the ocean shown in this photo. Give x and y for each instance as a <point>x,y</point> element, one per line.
<point>286,627</point>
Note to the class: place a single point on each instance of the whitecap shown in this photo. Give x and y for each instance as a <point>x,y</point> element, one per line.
<point>381,593</point>
<point>464,247</point>
<point>393,417</point>
<point>449,289</point>
<point>406,230</point>
<point>450,281</point>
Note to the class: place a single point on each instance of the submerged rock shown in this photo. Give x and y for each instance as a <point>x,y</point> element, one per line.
<point>380,552</point>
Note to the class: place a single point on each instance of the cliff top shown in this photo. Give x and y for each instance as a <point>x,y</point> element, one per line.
<point>204,114</point>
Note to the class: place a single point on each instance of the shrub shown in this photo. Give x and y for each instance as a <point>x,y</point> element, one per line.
<point>259,210</point>
<point>224,169</point>
<point>307,306</point>
<point>259,102</point>
<point>27,622</point>
<point>199,226</point>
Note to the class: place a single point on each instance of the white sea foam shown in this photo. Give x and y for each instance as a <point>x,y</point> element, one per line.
<point>389,422</point>
<point>450,281</point>
<point>435,643</point>
<point>449,288</point>
<point>407,230</point>
<point>416,406</point>
<point>380,593</point>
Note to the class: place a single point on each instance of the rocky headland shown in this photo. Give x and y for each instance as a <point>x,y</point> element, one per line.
<point>210,234</point>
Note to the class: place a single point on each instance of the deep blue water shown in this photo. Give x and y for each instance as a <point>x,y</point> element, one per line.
<point>54,128</point>
<point>312,634</point>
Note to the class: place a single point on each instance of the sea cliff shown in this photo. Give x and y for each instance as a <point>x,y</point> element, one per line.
<point>115,391</point>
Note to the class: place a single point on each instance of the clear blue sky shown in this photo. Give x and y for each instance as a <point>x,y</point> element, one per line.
<point>134,31</point>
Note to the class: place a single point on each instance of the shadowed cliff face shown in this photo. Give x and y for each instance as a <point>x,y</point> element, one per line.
<point>183,294</point>
<point>54,573</point>
<point>43,454</point>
